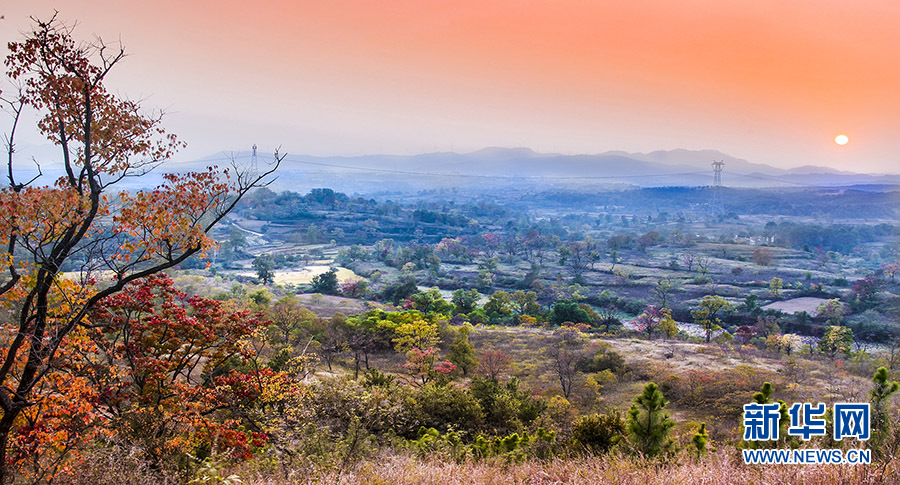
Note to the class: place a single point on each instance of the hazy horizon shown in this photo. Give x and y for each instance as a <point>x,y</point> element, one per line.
<point>761,81</point>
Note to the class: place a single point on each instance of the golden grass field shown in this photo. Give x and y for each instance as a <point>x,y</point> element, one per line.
<point>305,275</point>
<point>724,467</point>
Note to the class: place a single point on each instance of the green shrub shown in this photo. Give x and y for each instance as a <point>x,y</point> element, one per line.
<point>506,408</point>
<point>445,408</point>
<point>515,447</point>
<point>338,401</point>
<point>603,360</point>
<point>375,378</point>
<point>598,433</point>
<point>430,442</point>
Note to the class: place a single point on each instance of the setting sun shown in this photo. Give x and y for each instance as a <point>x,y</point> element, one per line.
<point>841,139</point>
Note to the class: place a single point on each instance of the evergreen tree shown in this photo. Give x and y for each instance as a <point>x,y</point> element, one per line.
<point>264,266</point>
<point>431,301</point>
<point>465,301</point>
<point>764,396</point>
<point>648,423</point>
<point>326,282</point>
<point>880,397</point>
<point>569,311</point>
<point>699,440</point>
<point>462,353</point>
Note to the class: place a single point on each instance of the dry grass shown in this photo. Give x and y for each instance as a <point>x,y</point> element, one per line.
<point>724,467</point>
<point>303,276</point>
<point>680,356</point>
<point>668,362</point>
<point>327,305</point>
<point>806,304</point>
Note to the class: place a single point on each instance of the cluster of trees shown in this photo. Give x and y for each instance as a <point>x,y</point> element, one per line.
<point>555,303</point>
<point>288,207</point>
<point>577,255</point>
<point>559,303</point>
<point>680,203</point>
<point>483,416</point>
<point>834,237</point>
<point>491,406</point>
<point>560,243</point>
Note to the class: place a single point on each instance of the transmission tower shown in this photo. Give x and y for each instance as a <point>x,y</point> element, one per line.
<point>715,206</point>
<point>253,160</point>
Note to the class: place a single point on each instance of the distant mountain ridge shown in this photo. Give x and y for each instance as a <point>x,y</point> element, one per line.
<point>679,167</point>
<point>658,168</point>
<point>703,159</point>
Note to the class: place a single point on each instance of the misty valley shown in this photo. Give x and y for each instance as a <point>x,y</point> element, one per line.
<point>503,315</point>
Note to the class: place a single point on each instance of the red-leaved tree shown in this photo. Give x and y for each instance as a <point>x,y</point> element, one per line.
<point>106,237</point>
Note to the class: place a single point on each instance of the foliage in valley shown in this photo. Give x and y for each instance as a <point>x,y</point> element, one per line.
<point>624,328</point>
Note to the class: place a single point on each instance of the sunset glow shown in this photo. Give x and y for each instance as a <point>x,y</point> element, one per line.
<point>351,77</point>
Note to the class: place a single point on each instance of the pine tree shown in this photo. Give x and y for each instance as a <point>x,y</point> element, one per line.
<point>764,396</point>
<point>699,440</point>
<point>880,397</point>
<point>648,423</point>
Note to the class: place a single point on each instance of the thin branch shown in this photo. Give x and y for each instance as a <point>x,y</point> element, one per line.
<point>17,105</point>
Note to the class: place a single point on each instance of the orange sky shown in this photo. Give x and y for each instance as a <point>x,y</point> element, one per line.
<point>769,81</point>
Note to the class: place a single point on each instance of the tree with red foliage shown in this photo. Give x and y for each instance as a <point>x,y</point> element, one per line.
<point>493,364</point>
<point>80,220</point>
<point>161,361</point>
<point>762,256</point>
<point>491,243</point>
<point>649,321</point>
<point>423,366</point>
<point>866,290</point>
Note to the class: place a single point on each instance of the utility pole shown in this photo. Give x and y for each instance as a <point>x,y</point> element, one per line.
<point>715,206</point>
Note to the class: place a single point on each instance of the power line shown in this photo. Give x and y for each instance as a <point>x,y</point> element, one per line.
<point>502,177</point>
<point>228,158</point>
<point>463,175</point>
<point>774,179</point>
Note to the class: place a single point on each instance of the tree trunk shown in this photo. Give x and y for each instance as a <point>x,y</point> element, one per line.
<point>6,424</point>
